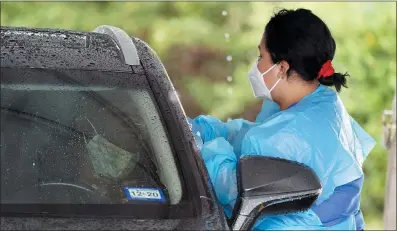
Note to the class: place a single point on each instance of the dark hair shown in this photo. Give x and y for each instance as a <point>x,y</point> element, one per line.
<point>304,41</point>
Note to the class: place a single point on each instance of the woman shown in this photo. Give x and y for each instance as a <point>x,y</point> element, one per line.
<point>302,120</point>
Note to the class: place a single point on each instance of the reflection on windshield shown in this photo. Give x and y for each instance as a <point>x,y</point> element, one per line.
<point>74,144</point>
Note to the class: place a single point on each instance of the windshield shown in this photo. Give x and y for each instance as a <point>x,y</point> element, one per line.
<point>83,137</point>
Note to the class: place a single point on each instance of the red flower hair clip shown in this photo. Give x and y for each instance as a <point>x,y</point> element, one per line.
<point>326,70</point>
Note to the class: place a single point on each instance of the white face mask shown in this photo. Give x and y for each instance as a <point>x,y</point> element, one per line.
<point>258,83</point>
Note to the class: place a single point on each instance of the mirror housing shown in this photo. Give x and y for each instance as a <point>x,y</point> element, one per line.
<point>270,186</point>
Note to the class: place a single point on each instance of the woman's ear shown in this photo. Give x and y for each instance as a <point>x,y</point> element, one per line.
<point>284,67</point>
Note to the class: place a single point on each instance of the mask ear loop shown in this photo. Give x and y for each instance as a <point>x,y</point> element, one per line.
<point>92,128</point>
<point>264,73</point>
<point>271,89</point>
<point>279,78</point>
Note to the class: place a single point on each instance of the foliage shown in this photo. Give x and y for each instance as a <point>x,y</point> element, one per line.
<point>190,39</point>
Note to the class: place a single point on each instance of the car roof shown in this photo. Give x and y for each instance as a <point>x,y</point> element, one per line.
<point>59,48</point>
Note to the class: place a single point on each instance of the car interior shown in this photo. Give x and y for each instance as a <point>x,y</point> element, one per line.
<point>64,144</point>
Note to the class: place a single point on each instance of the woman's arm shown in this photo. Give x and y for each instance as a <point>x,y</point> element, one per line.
<point>220,161</point>
<point>210,128</point>
<point>344,202</point>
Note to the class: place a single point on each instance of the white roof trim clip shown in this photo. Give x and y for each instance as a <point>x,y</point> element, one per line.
<point>124,42</point>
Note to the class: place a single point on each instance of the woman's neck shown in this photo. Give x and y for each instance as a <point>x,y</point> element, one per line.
<point>296,93</point>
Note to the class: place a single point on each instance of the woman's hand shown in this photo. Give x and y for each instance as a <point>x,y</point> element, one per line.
<point>196,133</point>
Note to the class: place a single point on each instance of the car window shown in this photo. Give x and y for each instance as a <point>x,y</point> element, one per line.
<point>83,137</point>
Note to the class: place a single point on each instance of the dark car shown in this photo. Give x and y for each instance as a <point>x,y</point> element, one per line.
<point>93,137</point>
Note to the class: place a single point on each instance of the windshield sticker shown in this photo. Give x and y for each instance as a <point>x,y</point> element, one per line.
<point>147,194</point>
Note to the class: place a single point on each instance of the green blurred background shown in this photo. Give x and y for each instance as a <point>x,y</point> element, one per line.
<point>208,47</point>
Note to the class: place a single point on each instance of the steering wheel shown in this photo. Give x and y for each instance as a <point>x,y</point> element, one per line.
<point>60,193</point>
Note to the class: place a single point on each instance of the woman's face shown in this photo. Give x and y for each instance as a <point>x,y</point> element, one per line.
<point>264,64</point>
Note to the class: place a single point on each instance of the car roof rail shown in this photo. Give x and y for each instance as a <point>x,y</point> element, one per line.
<point>124,42</point>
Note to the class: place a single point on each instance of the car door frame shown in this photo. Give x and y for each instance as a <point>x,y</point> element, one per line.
<point>194,172</point>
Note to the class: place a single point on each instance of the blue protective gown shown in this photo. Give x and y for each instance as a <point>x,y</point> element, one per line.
<point>318,132</point>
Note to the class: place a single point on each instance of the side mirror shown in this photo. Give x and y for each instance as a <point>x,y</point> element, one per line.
<point>270,186</point>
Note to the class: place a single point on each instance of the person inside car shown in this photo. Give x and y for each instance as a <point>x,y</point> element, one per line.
<point>301,120</point>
